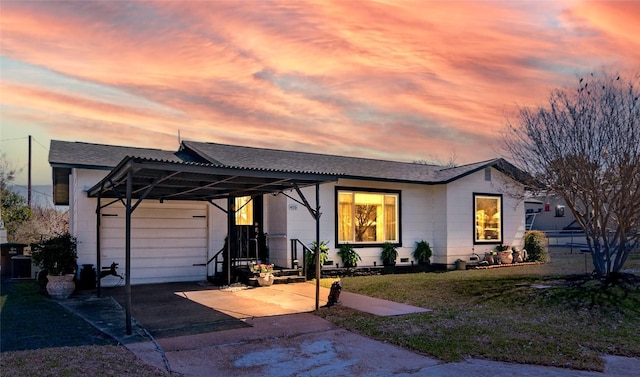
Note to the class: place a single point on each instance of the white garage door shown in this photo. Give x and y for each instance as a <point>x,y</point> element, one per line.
<point>168,242</point>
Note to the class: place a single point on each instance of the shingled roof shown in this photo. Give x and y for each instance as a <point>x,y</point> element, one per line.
<point>99,156</point>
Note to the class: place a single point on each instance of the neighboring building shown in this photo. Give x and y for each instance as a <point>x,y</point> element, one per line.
<point>549,213</point>
<point>364,202</point>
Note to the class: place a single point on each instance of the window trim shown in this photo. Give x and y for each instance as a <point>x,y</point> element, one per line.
<point>366,191</point>
<point>499,240</point>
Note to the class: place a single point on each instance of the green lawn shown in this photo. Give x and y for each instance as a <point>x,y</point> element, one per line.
<point>551,314</point>
<point>30,320</point>
<point>41,338</point>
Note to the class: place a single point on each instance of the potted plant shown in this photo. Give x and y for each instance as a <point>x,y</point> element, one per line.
<point>348,255</point>
<point>422,252</point>
<point>264,274</point>
<point>324,254</point>
<point>505,255</point>
<point>490,257</point>
<point>310,258</point>
<point>517,255</point>
<point>389,254</point>
<point>58,256</point>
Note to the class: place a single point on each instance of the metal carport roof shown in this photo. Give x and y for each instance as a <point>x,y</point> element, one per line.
<point>172,180</point>
<point>135,179</point>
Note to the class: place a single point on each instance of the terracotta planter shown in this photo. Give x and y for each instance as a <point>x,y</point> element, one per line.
<point>265,279</point>
<point>506,257</point>
<point>60,287</point>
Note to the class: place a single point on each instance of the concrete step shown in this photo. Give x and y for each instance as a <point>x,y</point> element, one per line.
<point>253,282</point>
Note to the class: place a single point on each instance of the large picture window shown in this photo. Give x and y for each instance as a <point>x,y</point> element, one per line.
<point>367,217</point>
<point>488,218</point>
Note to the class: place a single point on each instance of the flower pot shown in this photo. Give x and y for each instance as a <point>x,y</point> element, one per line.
<point>517,257</point>
<point>265,279</point>
<point>489,258</point>
<point>506,257</point>
<point>60,287</point>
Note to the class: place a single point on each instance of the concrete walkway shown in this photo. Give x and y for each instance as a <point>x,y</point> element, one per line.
<point>285,340</point>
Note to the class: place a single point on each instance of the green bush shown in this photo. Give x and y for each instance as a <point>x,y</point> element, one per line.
<point>57,255</point>
<point>389,254</point>
<point>536,246</point>
<point>422,252</point>
<point>348,255</point>
<point>324,254</point>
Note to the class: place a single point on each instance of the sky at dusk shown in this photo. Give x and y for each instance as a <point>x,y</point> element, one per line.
<point>391,79</point>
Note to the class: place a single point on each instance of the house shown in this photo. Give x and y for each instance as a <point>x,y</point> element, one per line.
<point>550,214</point>
<point>163,214</point>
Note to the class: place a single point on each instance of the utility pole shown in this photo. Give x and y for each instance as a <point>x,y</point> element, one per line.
<point>29,176</point>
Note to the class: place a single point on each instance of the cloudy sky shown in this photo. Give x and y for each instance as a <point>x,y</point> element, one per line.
<point>391,79</point>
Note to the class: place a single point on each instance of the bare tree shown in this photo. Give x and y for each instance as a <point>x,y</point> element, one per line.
<point>433,159</point>
<point>585,146</point>
<point>45,222</point>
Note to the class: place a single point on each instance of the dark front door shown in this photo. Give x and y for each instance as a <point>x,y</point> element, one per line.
<point>249,235</point>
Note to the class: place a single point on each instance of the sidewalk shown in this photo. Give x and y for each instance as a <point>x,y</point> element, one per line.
<point>292,342</point>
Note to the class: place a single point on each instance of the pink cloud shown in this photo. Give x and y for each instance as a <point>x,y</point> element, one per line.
<point>364,78</point>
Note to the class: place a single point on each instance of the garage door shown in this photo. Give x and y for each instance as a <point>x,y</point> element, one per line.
<point>168,242</point>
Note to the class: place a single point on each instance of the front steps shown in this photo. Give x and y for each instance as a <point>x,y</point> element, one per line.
<point>281,276</point>
<point>241,274</point>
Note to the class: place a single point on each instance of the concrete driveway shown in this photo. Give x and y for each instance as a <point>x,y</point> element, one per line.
<point>194,330</point>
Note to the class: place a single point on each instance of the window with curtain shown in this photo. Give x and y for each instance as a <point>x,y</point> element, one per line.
<point>488,218</point>
<point>367,217</point>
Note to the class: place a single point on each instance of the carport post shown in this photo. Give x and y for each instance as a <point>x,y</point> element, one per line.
<point>127,253</point>
<point>98,262</point>
<point>317,217</point>
<point>230,221</point>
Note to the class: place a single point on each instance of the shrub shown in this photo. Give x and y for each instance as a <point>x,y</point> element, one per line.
<point>389,254</point>
<point>422,253</point>
<point>57,255</point>
<point>535,245</point>
<point>324,254</point>
<point>348,255</point>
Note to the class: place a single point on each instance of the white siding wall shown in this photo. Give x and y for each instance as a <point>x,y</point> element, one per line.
<point>461,224</point>
<point>417,218</point>
<point>82,212</point>
<point>275,218</point>
<point>301,225</point>
<point>439,218</point>
<point>217,232</point>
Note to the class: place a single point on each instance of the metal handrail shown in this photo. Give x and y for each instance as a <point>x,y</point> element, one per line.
<point>294,254</point>
<point>217,262</point>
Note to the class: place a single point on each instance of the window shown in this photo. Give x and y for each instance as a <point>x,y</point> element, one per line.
<point>367,217</point>
<point>244,211</point>
<point>488,218</point>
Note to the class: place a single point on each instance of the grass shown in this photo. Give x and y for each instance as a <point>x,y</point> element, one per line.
<point>30,320</point>
<point>495,314</point>
<point>552,314</point>
<point>41,338</point>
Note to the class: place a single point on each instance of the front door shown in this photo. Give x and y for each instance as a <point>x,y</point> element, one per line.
<point>249,238</point>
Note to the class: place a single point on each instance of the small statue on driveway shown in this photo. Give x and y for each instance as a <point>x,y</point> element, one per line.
<point>334,293</point>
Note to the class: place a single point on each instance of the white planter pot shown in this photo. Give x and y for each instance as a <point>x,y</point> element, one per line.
<point>60,287</point>
<point>265,279</point>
